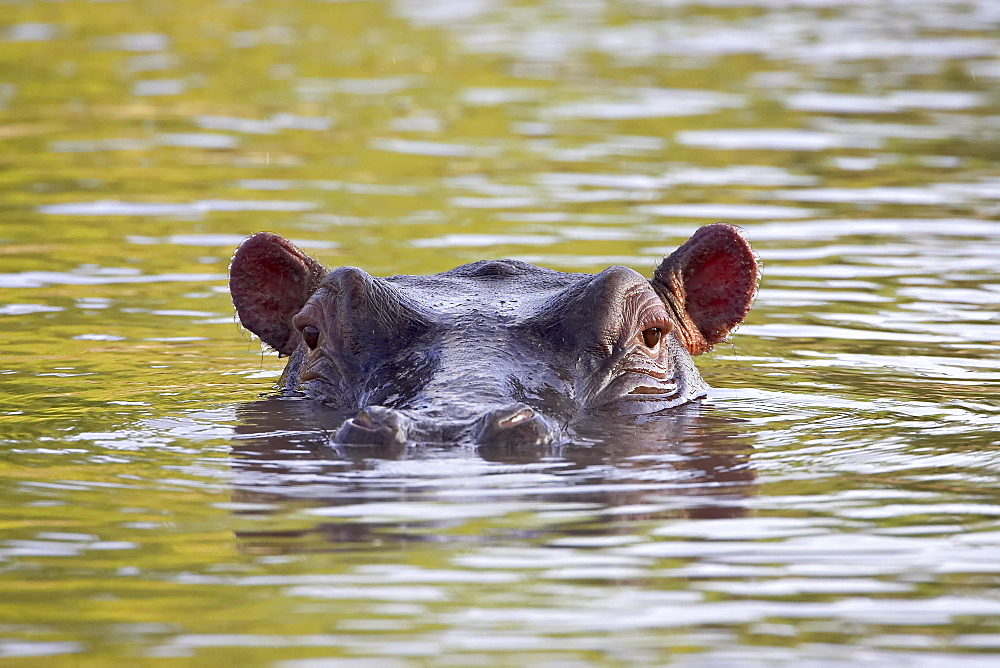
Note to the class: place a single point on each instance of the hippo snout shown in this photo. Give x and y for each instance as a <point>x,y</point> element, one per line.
<point>511,426</point>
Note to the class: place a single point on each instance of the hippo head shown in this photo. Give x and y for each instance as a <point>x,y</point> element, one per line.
<point>500,353</point>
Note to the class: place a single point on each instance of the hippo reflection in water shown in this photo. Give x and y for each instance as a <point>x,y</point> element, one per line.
<point>499,353</point>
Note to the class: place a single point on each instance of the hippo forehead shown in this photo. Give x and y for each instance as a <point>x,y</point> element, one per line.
<point>500,289</point>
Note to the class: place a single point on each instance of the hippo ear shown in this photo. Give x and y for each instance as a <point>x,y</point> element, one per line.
<point>270,281</point>
<point>708,284</point>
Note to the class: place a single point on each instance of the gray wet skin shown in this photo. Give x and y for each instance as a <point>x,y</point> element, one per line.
<point>499,353</point>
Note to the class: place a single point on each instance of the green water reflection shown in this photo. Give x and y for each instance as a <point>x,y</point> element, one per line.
<point>835,500</point>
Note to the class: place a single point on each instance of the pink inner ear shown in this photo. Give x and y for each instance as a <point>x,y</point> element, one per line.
<point>270,281</point>
<point>709,283</point>
<point>720,285</point>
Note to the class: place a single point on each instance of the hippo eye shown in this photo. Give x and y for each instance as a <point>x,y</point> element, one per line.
<point>651,336</point>
<point>311,336</point>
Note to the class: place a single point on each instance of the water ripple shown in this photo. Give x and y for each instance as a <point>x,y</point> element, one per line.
<point>727,211</point>
<point>647,103</point>
<point>119,208</point>
<point>776,139</point>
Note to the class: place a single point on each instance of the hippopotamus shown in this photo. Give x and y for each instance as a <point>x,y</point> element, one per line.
<point>496,353</point>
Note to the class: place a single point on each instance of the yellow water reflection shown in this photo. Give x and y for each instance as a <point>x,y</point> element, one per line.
<point>834,501</point>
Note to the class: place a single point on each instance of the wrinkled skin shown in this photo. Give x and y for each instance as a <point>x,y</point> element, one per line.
<point>502,353</point>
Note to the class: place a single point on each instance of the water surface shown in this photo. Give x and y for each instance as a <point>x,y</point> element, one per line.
<point>834,500</point>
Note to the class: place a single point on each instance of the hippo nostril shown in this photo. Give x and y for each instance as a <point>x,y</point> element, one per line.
<point>374,425</point>
<point>516,418</point>
<point>517,425</point>
<point>365,420</point>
